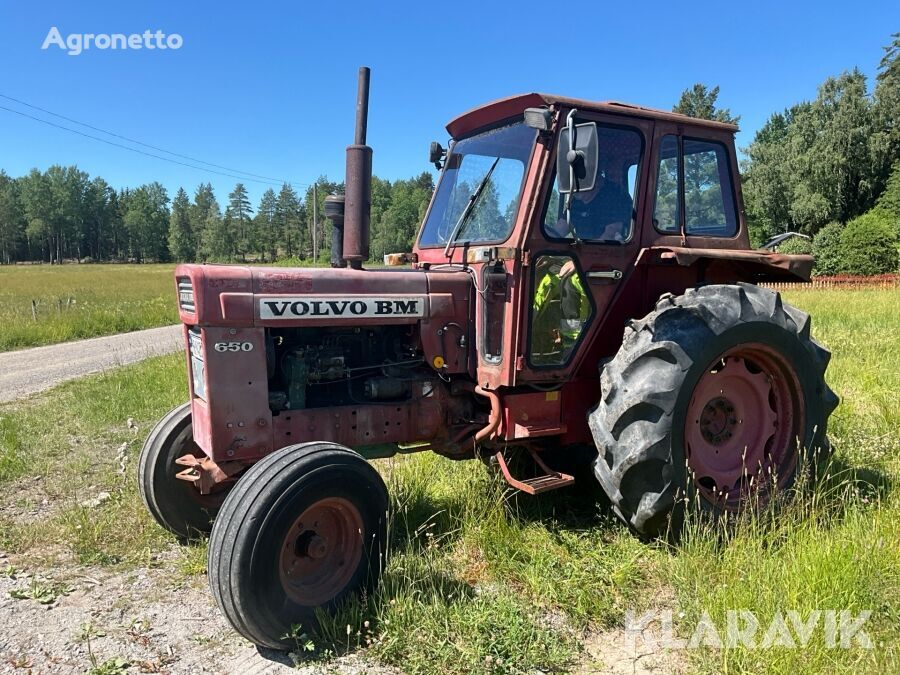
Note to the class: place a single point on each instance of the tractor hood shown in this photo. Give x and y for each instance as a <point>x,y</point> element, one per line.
<point>239,296</point>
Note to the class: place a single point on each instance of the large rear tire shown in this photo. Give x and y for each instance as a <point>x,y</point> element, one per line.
<point>175,504</point>
<point>713,398</point>
<point>303,529</point>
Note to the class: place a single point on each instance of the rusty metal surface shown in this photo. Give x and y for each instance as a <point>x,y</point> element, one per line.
<point>549,480</point>
<point>334,211</point>
<point>421,419</point>
<point>772,265</point>
<point>206,475</point>
<point>357,204</point>
<point>358,183</point>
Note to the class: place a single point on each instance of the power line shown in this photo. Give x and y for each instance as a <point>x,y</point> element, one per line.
<point>146,145</point>
<point>149,154</point>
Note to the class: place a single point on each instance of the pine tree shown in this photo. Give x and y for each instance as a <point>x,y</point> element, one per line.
<point>699,101</point>
<point>204,205</point>
<point>238,216</point>
<point>181,238</point>
<point>287,221</point>
<point>12,219</point>
<point>266,234</point>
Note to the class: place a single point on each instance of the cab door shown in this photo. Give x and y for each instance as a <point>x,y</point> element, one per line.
<point>576,267</point>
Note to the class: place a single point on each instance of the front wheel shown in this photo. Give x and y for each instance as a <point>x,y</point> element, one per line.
<point>719,394</point>
<point>175,504</point>
<point>302,530</point>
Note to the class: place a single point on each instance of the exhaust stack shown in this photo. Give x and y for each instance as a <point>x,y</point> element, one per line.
<point>358,182</point>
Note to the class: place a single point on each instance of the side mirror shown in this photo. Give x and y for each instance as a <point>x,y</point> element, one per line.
<point>577,157</point>
<point>436,154</point>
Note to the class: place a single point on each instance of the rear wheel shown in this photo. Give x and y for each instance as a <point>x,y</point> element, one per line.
<point>175,504</point>
<point>717,393</point>
<point>303,529</point>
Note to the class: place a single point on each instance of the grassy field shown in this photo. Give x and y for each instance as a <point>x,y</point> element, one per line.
<point>483,582</point>
<point>81,301</point>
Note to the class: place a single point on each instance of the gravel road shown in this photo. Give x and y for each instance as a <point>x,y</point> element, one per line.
<point>28,371</point>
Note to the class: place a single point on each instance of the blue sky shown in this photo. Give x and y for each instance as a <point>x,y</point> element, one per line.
<point>269,87</point>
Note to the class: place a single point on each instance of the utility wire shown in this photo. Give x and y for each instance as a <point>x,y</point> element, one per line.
<point>264,179</point>
<point>146,145</point>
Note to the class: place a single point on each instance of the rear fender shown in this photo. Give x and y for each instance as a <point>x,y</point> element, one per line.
<point>720,265</point>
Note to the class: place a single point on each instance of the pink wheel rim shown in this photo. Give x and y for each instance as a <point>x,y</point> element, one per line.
<point>743,426</point>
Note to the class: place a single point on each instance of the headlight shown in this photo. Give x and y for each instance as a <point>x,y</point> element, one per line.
<point>186,295</point>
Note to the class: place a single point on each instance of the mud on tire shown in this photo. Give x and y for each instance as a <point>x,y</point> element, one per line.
<point>660,415</point>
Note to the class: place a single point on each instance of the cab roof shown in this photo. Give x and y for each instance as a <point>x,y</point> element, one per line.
<point>512,106</point>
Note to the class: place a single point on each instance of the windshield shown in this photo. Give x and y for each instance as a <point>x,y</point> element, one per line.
<point>490,218</point>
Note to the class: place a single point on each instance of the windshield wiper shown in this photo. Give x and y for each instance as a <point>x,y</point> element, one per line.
<point>470,206</point>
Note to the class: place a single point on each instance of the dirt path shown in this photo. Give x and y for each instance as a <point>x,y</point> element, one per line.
<point>28,371</point>
<point>140,620</point>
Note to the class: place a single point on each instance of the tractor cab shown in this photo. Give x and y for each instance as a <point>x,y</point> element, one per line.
<point>560,208</point>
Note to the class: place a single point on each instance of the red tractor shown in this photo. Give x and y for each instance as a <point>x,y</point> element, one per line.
<point>583,278</point>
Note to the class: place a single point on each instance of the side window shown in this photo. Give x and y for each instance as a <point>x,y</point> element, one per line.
<point>665,213</point>
<point>697,177</point>
<point>560,312</point>
<point>606,213</point>
<point>708,202</point>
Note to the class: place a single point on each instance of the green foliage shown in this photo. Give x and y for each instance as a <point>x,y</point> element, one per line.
<point>699,101</point>
<point>869,245</point>
<point>181,238</point>
<point>889,201</point>
<point>827,250</point>
<point>404,203</point>
<point>796,245</point>
<point>237,215</point>
<point>265,232</point>
<point>147,222</point>
<point>286,220</point>
<point>828,159</point>
<point>41,591</point>
<point>12,219</point>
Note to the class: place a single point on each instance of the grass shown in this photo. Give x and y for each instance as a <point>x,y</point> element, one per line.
<point>82,301</point>
<point>482,582</point>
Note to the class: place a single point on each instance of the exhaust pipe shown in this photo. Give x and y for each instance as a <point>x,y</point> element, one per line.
<point>334,211</point>
<point>358,183</point>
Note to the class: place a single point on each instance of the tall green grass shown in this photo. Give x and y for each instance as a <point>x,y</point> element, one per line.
<point>81,301</point>
<point>837,546</point>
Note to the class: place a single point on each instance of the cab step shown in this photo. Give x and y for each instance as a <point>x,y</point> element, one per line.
<point>550,480</point>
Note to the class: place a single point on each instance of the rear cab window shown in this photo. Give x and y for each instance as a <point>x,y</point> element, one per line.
<point>694,188</point>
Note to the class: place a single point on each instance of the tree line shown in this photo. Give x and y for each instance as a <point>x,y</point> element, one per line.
<point>64,214</point>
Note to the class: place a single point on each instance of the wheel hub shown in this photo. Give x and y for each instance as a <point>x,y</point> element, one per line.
<point>716,421</point>
<point>742,419</point>
<point>321,551</point>
<point>310,545</point>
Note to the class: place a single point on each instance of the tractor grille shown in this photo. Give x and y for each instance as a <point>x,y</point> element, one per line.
<point>186,295</point>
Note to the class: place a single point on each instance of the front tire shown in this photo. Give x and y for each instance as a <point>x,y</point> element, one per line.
<point>175,504</point>
<point>303,529</point>
<point>717,394</point>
